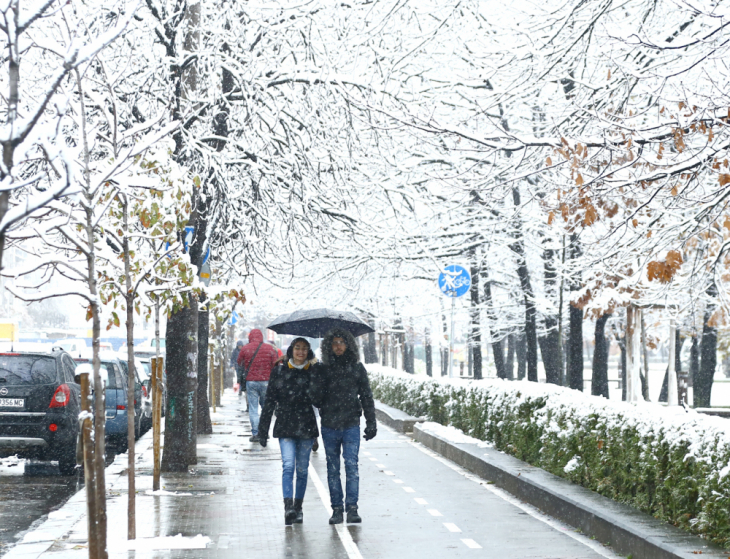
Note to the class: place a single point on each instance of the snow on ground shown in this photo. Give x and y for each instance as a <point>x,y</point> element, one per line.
<point>451,434</point>
<point>168,542</point>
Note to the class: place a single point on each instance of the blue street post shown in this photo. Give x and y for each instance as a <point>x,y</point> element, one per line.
<point>454,281</point>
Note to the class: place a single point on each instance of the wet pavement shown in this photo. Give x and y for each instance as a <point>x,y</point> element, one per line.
<point>414,503</point>
<point>28,492</point>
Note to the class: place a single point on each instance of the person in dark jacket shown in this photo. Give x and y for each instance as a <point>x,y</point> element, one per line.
<point>341,391</point>
<point>258,358</point>
<point>234,364</point>
<point>296,426</point>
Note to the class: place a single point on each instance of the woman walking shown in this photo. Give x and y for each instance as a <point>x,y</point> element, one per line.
<point>296,427</point>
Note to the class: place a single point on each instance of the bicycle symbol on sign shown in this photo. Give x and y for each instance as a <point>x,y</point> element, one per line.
<point>454,281</point>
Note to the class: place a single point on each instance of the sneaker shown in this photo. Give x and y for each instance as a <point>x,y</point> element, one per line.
<point>336,517</point>
<point>352,516</point>
<point>254,438</point>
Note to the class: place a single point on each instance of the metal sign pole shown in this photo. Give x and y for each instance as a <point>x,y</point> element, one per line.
<point>451,339</point>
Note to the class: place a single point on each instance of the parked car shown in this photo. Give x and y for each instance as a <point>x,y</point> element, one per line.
<point>142,397</point>
<point>40,403</point>
<point>75,346</point>
<point>115,391</point>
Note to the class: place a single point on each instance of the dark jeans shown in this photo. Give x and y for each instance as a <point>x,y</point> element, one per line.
<point>347,443</point>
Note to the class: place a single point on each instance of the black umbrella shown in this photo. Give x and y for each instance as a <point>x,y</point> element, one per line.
<point>315,323</point>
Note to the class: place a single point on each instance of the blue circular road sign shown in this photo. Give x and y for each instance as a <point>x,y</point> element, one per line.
<point>454,281</point>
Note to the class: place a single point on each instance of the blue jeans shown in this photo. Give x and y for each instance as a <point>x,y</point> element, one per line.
<point>347,441</point>
<point>255,392</point>
<point>294,456</point>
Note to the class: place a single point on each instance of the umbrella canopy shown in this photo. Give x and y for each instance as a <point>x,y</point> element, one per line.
<point>315,323</point>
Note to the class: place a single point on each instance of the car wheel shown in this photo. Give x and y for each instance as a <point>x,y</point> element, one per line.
<point>67,462</point>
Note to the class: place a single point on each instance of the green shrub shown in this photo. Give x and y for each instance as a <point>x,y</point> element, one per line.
<point>668,462</point>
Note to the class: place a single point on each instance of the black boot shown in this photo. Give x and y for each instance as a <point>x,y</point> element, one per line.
<point>352,516</point>
<point>298,508</point>
<point>289,513</point>
<point>336,517</point>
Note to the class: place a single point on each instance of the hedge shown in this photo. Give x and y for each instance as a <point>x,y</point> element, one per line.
<point>670,462</point>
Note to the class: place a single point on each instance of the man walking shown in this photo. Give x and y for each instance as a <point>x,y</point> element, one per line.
<point>256,359</point>
<point>341,390</point>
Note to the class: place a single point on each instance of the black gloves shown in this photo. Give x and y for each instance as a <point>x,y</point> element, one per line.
<point>262,441</point>
<point>370,432</point>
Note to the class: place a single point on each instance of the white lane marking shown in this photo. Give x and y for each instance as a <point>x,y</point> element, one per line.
<point>471,544</point>
<point>380,465</point>
<point>451,527</point>
<point>353,552</point>
<point>366,454</point>
<point>421,501</point>
<point>387,473</point>
<point>409,490</point>
<point>434,512</point>
<point>398,481</point>
<point>373,459</point>
<point>529,509</point>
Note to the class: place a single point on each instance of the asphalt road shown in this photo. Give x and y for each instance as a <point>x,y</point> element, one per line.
<point>28,492</point>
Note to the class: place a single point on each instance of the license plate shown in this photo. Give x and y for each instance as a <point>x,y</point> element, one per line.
<point>12,402</point>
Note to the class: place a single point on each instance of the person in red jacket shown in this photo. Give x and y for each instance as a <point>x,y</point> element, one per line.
<point>257,358</point>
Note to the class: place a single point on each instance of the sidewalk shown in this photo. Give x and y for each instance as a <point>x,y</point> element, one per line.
<point>414,503</point>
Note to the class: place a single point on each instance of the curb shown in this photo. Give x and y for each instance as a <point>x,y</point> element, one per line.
<point>395,418</point>
<point>627,530</point>
<point>60,522</point>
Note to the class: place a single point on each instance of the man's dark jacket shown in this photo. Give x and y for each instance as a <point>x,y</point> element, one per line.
<point>340,386</point>
<point>288,395</point>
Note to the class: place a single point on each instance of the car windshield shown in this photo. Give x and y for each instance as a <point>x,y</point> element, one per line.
<point>17,370</point>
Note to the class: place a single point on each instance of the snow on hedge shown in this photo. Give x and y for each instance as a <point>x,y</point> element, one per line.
<point>670,462</point>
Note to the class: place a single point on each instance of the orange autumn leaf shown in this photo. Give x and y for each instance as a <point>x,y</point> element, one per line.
<point>724,179</point>
<point>551,216</point>
<point>591,216</point>
<point>579,181</point>
<point>549,162</point>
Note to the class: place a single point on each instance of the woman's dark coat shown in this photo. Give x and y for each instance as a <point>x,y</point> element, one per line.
<point>340,386</point>
<point>288,395</point>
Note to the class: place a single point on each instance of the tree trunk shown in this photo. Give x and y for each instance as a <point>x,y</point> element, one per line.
<point>511,342</point>
<point>476,327</point>
<point>529,297</point>
<point>204,424</point>
<point>599,384</point>
<point>694,359</point>
<point>550,342</point>
<point>575,328</point>
<point>521,355</point>
<point>645,356</point>
<point>371,354</point>
<point>429,354</point>
<point>708,363</point>
<point>679,340</point>
<point>182,386</point>
<point>497,353</point>
<point>131,379</point>
<point>622,347</point>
